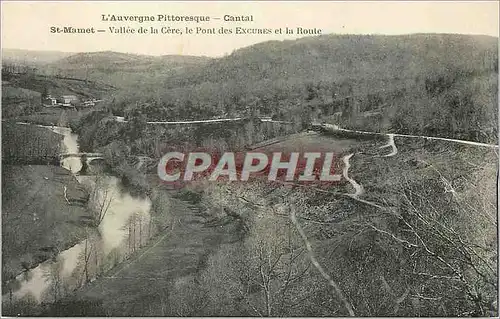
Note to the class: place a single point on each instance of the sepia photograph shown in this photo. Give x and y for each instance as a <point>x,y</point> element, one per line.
<point>249,158</point>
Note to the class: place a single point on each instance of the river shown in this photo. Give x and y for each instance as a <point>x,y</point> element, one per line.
<point>103,247</point>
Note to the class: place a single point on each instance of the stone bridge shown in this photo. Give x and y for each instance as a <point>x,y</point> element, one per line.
<point>89,156</point>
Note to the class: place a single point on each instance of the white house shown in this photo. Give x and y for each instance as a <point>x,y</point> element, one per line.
<point>68,100</point>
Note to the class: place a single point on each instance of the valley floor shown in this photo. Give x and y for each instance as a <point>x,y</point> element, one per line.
<point>355,232</point>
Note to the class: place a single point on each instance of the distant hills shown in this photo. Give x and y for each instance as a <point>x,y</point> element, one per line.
<point>101,59</point>
<point>330,57</point>
<point>103,65</point>
<point>124,61</point>
<point>32,57</point>
<point>113,68</point>
<point>397,79</point>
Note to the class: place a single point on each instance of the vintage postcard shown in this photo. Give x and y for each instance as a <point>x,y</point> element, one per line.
<point>248,159</point>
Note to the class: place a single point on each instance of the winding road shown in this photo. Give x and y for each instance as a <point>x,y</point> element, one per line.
<point>391,144</point>
<point>345,173</point>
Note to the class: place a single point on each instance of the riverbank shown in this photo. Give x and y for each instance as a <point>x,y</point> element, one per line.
<point>139,285</point>
<point>43,213</point>
<point>43,205</point>
<point>50,116</point>
<point>110,215</point>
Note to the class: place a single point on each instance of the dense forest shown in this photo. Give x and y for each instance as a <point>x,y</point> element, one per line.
<point>437,85</point>
<point>429,84</point>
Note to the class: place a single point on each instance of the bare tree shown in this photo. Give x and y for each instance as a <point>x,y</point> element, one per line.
<point>340,294</point>
<point>261,276</point>
<point>53,276</point>
<point>101,196</point>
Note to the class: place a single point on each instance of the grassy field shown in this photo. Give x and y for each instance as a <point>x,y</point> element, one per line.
<point>18,101</point>
<point>37,221</point>
<point>58,85</point>
<point>29,144</point>
<point>52,116</point>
